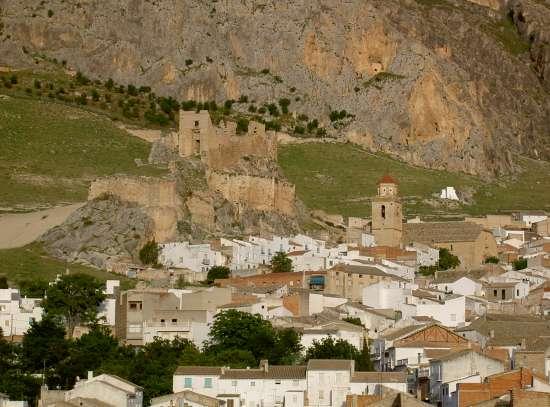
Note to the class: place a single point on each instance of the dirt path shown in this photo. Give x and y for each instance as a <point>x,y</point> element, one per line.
<point>19,229</point>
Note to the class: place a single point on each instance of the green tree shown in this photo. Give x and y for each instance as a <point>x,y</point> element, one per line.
<point>35,288</point>
<point>281,263</point>
<point>217,272</point>
<point>109,84</point>
<point>149,253</point>
<point>330,348</point>
<point>520,264</point>
<point>365,362</point>
<point>3,282</point>
<point>491,260</point>
<point>86,353</point>
<point>74,299</point>
<point>233,329</point>
<point>447,260</point>
<point>44,345</point>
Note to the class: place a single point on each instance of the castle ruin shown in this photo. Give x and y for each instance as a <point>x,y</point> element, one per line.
<point>220,148</point>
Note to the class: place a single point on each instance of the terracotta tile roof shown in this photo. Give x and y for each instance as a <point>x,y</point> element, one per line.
<point>396,334</point>
<point>387,179</point>
<point>273,372</point>
<point>329,364</point>
<point>297,253</point>
<point>440,232</point>
<point>198,370</point>
<point>379,377</point>
<point>365,270</point>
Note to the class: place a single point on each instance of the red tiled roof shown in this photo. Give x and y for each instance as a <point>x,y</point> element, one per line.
<point>387,179</point>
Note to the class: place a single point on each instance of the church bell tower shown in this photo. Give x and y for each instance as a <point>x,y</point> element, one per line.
<point>387,214</point>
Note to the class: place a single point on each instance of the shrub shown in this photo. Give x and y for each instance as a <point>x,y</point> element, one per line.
<point>228,104</point>
<point>188,62</point>
<point>132,90</point>
<point>243,99</point>
<point>492,260</point>
<point>242,125</point>
<point>188,105</point>
<point>81,79</point>
<point>149,253</point>
<point>273,110</point>
<point>292,89</point>
<point>109,84</point>
<point>281,263</point>
<point>252,109</point>
<point>13,79</point>
<point>37,84</point>
<point>312,125</point>
<point>299,130</point>
<point>82,99</point>
<point>520,264</point>
<point>447,260</point>
<point>209,60</point>
<point>262,110</point>
<point>50,13</point>
<point>273,125</point>
<point>265,71</point>
<point>95,95</point>
<point>321,132</point>
<point>284,103</point>
<point>217,272</point>
<point>29,91</point>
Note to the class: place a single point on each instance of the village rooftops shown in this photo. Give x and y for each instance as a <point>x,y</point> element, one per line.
<point>198,371</point>
<point>288,372</point>
<point>379,377</point>
<point>441,232</point>
<point>457,352</point>
<point>200,399</point>
<point>387,179</point>
<point>401,332</point>
<point>366,271</point>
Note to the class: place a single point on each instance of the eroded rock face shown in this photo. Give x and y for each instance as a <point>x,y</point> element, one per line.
<point>102,230</point>
<point>433,84</point>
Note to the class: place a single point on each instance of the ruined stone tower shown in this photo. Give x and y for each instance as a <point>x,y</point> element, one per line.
<point>194,131</point>
<point>387,215</point>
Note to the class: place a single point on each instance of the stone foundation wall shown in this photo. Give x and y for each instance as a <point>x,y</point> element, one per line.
<point>157,197</point>
<point>266,194</point>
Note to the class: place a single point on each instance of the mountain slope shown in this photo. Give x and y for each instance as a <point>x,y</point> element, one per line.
<point>445,84</point>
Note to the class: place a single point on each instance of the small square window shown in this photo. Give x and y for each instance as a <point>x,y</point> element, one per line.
<point>252,384</point>
<point>188,382</point>
<point>234,383</point>
<point>207,382</point>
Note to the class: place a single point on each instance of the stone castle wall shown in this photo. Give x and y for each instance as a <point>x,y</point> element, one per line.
<point>265,194</point>
<point>158,198</point>
<point>220,147</point>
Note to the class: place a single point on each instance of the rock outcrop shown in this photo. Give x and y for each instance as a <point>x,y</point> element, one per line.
<point>441,84</point>
<point>105,229</point>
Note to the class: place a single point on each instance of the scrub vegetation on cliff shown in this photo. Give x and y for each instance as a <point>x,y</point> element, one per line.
<point>341,178</point>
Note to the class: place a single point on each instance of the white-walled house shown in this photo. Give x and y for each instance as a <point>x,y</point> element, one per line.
<point>425,255</point>
<point>387,294</point>
<point>449,309</point>
<point>322,383</point>
<point>195,257</point>
<point>462,285</point>
<point>462,366</point>
<point>17,313</point>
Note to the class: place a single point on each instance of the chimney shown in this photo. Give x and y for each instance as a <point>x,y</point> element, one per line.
<point>90,374</point>
<point>523,343</point>
<point>492,333</point>
<point>264,365</point>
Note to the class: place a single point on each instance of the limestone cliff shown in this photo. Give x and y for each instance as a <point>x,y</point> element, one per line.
<point>445,84</point>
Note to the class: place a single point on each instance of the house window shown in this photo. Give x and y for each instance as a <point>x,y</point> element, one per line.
<point>503,294</point>
<point>453,317</point>
<point>252,384</point>
<point>234,383</point>
<point>517,293</point>
<point>207,382</point>
<point>174,321</point>
<point>135,305</point>
<point>188,382</point>
<point>383,212</point>
<point>321,395</point>
<point>294,398</point>
<point>196,123</point>
<point>134,328</point>
<point>277,382</point>
<point>295,383</point>
<point>495,293</point>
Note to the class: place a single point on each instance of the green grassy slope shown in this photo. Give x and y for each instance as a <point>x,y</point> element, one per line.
<point>50,152</point>
<point>341,178</point>
<point>31,262</point>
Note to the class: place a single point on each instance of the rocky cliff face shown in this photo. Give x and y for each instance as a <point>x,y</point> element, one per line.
<point>439,83</point>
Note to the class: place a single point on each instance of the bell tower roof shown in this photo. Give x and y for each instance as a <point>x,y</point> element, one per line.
<point>387,179</point>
